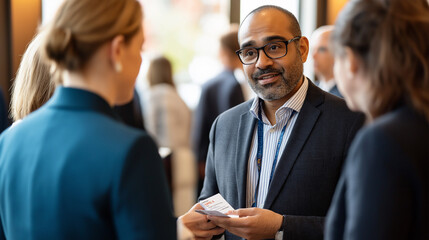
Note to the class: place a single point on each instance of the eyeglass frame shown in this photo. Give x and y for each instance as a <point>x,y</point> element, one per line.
<point>263,49</point>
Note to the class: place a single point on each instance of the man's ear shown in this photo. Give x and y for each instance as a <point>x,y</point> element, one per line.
<point>303,48</point>
<point>116,51</point>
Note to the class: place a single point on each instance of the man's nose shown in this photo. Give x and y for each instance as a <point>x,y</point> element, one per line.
<point>263,60</point>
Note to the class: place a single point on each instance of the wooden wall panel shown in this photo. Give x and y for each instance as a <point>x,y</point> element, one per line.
<point>26,16</point>
<point>333,8</point>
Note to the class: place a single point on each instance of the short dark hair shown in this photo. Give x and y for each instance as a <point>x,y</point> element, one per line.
<point>294,25</point>
<point>229,41</point>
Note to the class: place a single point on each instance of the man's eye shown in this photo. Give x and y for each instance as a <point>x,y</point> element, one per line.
<point>249,53</point>
<point>274,47</point>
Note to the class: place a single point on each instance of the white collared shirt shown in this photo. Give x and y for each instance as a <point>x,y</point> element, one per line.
<point>327,85</point>
<point>271,137</point>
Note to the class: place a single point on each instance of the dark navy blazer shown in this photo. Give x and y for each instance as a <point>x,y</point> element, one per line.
<point>383,192</point>
<point>70,170</point>
<point>308,170</point>
<point>217,95</point>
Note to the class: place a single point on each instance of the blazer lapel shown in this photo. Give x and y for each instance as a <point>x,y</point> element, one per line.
<point>307,118</point>
<point>244,139</point>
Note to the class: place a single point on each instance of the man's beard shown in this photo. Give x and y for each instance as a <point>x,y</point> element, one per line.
<point>280,89</point>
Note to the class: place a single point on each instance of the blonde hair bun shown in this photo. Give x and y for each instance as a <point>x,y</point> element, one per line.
<point>59,48</point>
<point>80,27</point>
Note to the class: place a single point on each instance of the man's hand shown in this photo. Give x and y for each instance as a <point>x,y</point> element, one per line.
<point>253,223</point>
<point>199,225</point>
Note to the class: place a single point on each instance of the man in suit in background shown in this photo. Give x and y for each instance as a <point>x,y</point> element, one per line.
<point>218,95</point>
<point>131,113</point>
<point>278,157</point>
<point>323,60</point>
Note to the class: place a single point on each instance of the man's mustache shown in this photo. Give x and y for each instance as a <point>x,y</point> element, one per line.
<point>265,71</point>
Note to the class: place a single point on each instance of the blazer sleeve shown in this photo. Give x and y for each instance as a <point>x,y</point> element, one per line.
<point>141,202</point>
<point>312,227</point>
<point>379,198</point>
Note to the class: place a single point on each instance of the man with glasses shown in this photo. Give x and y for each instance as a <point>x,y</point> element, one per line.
<point>277,158</point>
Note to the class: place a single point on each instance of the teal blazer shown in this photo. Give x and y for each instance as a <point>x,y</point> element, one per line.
<point>70,170</point>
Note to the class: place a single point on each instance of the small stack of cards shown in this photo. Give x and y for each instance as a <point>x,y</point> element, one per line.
<point>217,206</point>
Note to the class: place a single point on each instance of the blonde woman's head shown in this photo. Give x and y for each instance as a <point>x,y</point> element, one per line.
<point>80,27</point>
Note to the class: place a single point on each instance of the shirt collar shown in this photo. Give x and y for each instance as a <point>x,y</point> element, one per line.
<point>295,103</point>
<point>327,86</point>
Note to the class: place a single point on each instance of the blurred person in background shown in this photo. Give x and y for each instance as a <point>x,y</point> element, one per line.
<point>168,120</point>
<point>219,94</point>
<point>382,68</point>
<point>323,59</point>
<point>131,113</point>
<point>71,169</point>
<point>4,119</point>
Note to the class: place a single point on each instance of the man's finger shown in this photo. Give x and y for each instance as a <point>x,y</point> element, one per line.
<point>207,225</point>
<point>209,233</point>
<point>228,222</point>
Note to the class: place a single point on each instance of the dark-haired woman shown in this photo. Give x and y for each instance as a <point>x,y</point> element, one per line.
<point>382,64</point>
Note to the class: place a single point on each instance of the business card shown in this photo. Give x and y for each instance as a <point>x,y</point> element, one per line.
<point>216,205</point>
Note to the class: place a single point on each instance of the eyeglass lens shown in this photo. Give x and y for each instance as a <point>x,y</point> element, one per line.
<point>272,50</point>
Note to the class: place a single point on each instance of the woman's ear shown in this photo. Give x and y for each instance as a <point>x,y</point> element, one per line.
<point>353,62</point>
<point>116,52</point>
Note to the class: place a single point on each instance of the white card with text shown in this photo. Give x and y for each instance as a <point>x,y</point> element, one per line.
<point>216,205</point>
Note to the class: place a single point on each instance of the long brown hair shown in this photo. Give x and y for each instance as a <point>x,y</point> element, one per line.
<point>391,38</point>
<point>80,27</point>
<point>160,71</point>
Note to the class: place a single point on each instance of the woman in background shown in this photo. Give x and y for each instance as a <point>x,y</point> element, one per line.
<point>168,116</point>
<point>168,119</point>
<point>70,170</point>
<point>381,62</point>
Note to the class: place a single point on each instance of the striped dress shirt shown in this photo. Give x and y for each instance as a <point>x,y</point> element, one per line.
<point>271,138</point>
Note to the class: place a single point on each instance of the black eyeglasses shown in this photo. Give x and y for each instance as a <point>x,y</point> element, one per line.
<point>273,50</point>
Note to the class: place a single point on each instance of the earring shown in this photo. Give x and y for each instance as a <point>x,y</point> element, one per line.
<point>118,67</point>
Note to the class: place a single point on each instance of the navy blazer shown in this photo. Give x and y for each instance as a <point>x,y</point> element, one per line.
<point>383,192</point>
<point>308,170</point>
<point>217,95</point>
<point>70,170</point>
